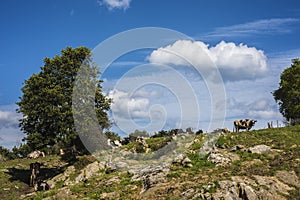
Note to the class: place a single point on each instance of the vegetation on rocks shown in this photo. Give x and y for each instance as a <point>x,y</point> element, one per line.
<point>271,174</point>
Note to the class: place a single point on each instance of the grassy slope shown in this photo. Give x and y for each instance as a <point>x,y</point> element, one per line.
<point>13,180</point>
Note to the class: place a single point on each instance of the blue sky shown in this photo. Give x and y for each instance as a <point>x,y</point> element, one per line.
<point>269,31</point>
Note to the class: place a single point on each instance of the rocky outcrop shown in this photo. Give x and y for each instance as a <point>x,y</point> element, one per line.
<point>258,187</point>
<point>86,173</point>
<point>222,158</point>
<point>150,176</point>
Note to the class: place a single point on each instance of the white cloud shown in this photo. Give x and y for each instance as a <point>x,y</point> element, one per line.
<point>115,4</point>
<point>10,134</point>
<point>235,62</point>
<point>264,26</point>
<point>9,119</point>
<point>125,105</point>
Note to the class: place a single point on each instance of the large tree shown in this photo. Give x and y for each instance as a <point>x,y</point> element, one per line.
<point>288,93</point>
<point>46,103</point>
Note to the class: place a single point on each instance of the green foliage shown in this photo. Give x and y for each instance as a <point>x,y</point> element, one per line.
<point>112,136</point>
<point>137,133</point>
<point>46,103</point>
<point>7,154</point>
<point>288,93</point>
<point>158,143</point>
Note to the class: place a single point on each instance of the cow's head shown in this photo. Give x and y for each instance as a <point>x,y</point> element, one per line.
<point>253,122</point>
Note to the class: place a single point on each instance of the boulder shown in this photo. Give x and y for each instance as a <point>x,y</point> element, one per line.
<point>150,176</point>
<point>288,177</point>
<point>260,149</point>
<point>222,158</point>
<point>182,160</point>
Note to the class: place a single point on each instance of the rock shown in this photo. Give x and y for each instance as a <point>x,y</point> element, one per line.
<point>61,177</point>
<point>187,162</point>
<point>260,149</point>
<point>110,195</point>
<point>218,159</point>
<point>110,168</point>
<point>112,180</point>
<point>187,194</point>
<point>288,177</point>
<point>247,192</point>
<point>178,159</point>
<point>273,184</point>
<point>89,171</point>
<point>121,165</point>
<point>62,193</point>
<point>151,176</point>
<point>182,160</point>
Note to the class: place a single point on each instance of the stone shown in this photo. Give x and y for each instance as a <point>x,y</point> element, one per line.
<point>260,149</point>
<point>218,159</point>
<point>110,195</point>
<point>186,162</point>
<point>112,181</point>
<point>187,194</point>
<point>178,159</point>
<point>247,192</point>
<point>273,184</point>
<point>88,172</point>
<point>288,177</point>
<point>61,177</point>
<point>151,176</point>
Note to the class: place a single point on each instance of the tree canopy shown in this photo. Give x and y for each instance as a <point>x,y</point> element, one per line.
<point>46,103</point>
<point>288,93</point>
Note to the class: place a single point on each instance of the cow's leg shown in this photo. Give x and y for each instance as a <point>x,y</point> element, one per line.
<point>237,129</point>
<point>31,184</point>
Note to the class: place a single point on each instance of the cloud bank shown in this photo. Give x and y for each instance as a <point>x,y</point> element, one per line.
<point>235,62</point>
<point>115,4</point>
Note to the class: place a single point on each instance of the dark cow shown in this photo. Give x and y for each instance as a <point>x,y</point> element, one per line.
<point>41,185</point>
<point>244,124</point>
<point>35,172</point>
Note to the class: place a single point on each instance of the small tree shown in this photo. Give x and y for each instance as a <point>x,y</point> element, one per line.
<point>46,103</point>
<point>288,93</point>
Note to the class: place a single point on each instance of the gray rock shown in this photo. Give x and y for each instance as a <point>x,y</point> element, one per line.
<point>151,176</point>
<point>218,159</point>
<point>187,162</point>
<point>247,192</point>
<point>260,149</point>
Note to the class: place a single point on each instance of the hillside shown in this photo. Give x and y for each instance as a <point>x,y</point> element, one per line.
<point>262,164</point>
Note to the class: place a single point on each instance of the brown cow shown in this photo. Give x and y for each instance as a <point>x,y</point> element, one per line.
<point>244,124</point>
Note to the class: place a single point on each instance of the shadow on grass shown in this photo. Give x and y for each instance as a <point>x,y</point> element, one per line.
<point>23,175</point>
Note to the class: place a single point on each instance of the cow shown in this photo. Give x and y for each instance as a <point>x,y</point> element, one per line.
<point>35,172</point>
<point>41,185</point>
<point>244,124</point>
<point>68,154</point>
<point>36,154</point>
